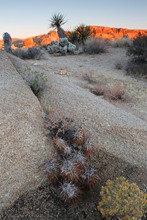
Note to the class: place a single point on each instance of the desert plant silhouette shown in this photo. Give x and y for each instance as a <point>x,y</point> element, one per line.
<point>57,20</point>
<point>80,34</point>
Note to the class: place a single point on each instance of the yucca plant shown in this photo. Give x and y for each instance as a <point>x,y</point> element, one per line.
<point>57,20</point>
<point>80,34</point>
<point>83,32</point>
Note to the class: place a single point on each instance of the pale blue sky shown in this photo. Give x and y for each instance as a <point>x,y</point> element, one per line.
<point>25,18</point>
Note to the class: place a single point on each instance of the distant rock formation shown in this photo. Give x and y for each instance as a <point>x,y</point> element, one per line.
<point>97,31</point>
<point>112,33</point>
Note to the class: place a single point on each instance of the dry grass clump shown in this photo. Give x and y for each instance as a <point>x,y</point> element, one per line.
<point>89,78</point>
<point>69,171</point>
<point>114,93</point>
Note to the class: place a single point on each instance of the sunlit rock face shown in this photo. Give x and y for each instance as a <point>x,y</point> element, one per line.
<point>97,31</point>
<point>112,33</point>
<point>49,37</point>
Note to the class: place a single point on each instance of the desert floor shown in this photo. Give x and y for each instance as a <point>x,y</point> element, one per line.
<point>85,71</point>
<point>102,71</point>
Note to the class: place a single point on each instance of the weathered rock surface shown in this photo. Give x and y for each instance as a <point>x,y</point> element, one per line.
<point>114,132</point>
<point>119,138</point>
<point>22,142</point>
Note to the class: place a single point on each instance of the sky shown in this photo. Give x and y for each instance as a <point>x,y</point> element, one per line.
<point>27,18</point>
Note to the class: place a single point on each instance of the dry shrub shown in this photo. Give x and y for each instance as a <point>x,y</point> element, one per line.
<point>119,65</point>
<point>121,42</point>
<point>95,46</point>
<point>29,53</point>
<point>98,90</point>
<point>89,78</point>
<point>115,93</point>
<point>137,67</point>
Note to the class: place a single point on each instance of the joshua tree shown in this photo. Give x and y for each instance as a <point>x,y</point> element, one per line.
<point>7,42</point>
<point>57,20</point>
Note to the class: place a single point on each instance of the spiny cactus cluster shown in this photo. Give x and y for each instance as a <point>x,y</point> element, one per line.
<point>69,170</point>
<point>122,200</point>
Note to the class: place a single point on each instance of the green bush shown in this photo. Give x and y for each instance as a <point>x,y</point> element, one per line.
<point>137,65</point>
<point>139,48</point>
<point>122,200</point>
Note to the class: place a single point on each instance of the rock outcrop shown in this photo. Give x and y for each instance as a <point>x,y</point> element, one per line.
<point>112,33</point>
<point>22,142</point>
<point>118,136</point>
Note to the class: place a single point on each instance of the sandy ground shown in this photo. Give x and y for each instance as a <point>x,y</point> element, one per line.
<point>101,68</point>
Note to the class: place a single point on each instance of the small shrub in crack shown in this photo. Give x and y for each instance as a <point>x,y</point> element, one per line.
<point>36,81</point>
<point>72,144</point>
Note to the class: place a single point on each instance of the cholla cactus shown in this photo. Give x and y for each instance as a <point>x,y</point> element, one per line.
<point>73,147</point>
<point>52,170</point>
<point>78,157</point>
<point>62,147</point>
<point>123,200</point>
<point>69,192</point>
<point>87,148</point>
<point>70,170</point>
<point>80,137</point>
<point>89,177</point>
